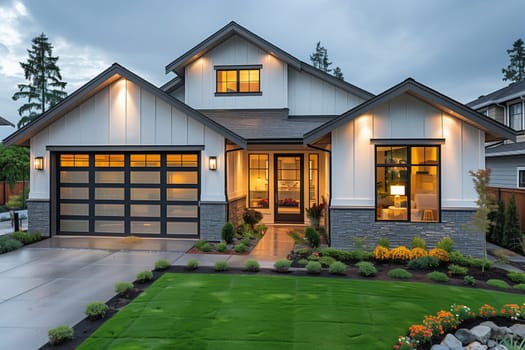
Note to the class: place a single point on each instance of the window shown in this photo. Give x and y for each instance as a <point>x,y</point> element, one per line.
<point>313,178</point>
<point>407,183</point>
<point>259,194</point>
<point>521,177</point>
<point>238,80</point>
<point>515,116</point>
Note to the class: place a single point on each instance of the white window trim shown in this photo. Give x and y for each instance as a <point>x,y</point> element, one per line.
<point>518,169</point>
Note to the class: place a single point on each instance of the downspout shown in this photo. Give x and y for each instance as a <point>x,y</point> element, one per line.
<point>329,184</point>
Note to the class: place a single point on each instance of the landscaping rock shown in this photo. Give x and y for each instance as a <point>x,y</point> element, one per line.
<point>465,336</point>
<point>452,343</point>
<point>496,331</point>
<point>439,347</point>
<point>482,333</point>
<point>476,346</point>
<point>519,330</point>
<point>491,343</point>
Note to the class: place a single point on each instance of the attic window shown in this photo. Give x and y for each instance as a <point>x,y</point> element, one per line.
<point>238,80</point>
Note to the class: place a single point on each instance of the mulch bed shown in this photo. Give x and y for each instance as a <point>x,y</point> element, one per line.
<point>86,327</point>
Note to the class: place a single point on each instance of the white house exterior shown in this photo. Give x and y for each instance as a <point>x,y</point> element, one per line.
<point>245,124</point>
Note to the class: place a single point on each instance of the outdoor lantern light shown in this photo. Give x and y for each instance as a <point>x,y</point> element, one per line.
<point>39,163</point>
<point>212,163</point>
<point>397,190</point>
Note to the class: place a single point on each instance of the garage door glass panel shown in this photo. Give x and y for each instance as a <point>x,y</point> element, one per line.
<point>74,209</point>
<point>182,211</point>
<point>182,177</point>
<point>109,160</point>
<point>189,228</point>
<point>146,194</point>
<point>74,177</point>
<point>108,226</point>
<point>109,209</point>
<point>145,177</point>
<point>74,193</point>
<point>182,194</point>
<point>146,227</point>
<point>109,193</point>
<point>74,226</point>
<point>145,160</point>
<point>143,210</point>
<point>182,160</point>
<point>109,177</point>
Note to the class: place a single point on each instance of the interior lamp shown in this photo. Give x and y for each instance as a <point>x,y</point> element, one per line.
<point>397,190</point>
<point>212,163</point>
<point>38,163</point>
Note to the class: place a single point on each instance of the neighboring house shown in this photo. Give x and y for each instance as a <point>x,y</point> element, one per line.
<point>245,124</point>
<point>506,160</point>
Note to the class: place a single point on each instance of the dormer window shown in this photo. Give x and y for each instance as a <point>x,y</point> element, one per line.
<point>238,80</point>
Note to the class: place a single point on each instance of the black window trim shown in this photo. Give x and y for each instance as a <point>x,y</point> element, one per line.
<point>250,178</point>
<point>238,68</point>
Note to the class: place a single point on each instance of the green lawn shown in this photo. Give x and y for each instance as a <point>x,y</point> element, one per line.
<point>216,311</point>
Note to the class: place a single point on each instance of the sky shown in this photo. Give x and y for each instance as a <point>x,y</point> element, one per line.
<point>457,47</point>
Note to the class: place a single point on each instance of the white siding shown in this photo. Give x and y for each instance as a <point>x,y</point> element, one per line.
<point>309,95</point>
<point>200,78</point>
<point>125,114</point>
<point>353,168</point>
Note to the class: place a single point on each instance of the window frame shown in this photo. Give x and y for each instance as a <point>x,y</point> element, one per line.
<point>511,115</point>
<point>408,165</point>
<point>266,169</point>
<point>518,170</point>
<point>237,69</point>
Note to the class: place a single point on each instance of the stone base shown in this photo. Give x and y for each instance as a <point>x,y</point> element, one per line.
<point>350,223</point>
<point>235,210</point>
<point>212,218</point>
<point>38,212</point>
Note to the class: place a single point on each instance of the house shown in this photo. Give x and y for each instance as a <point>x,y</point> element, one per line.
<point>506,160</point>
<point>246,124</point>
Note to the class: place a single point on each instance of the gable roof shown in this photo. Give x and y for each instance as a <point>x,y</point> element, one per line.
<point>506,149</point>
<point>110,75</point>
<point>507,93</point>
<point>493,129</point>
<point>232,29</point>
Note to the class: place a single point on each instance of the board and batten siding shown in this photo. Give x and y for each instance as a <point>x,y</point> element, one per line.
<point>504,170</point>
<point>125,114</point>
<point>200,78</point>
<point>404,117</point>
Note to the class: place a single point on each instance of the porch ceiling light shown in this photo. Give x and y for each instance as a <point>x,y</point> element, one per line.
<point>38,163</point>
<point>212,163</point>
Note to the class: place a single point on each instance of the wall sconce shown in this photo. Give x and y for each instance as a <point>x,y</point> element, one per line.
<point>38,163</point>
<point>212,163</point>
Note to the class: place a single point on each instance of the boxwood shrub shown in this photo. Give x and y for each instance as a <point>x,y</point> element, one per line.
<point>337,268</point>
<point>123,287</point>
<point>423,263</point>
<point>399,274</point>
<point>144,276</point>
<point>437,276</point>
<point>498,284</point>
<point>282,265</point>
<point>366,268</point>
<point>96,310</point>
<point>313,267</point>
<point>252,265</point>
<point>192,264</point>
<point>60,334</point>
<point>457,270</point>
<point>221,265</point>
<point>516,276</point>
<point>162,264</point>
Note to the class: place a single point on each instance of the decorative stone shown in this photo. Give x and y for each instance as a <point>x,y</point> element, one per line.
<point>519,330</point>
<point>439,347</point>
<point>452,342</point>
<point>465,336</point>
<point>496,331</point>
<point>482,333</point>
<point>491,343</point>
<point>476,346</point>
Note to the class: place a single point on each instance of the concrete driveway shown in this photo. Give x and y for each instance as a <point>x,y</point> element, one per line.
<point>42,287</point>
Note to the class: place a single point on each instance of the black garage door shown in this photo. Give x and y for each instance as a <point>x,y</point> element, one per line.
<point>128,193</point>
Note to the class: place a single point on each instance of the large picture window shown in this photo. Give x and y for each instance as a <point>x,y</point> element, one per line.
<point>259,192</point>
<point>238,80</point>
<point>407,183</point>
<point>515,117</point>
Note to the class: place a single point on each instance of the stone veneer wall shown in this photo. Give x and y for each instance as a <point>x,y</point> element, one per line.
<point>212,218</point>
<point>38,212</point>
<point>360,222</point>
<point>236,209</point>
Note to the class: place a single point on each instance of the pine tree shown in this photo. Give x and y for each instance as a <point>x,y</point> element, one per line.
<point>338,73</point>
<point>499,224</point>
<point>45,87</point>
<point>320,59</point>
<point>515,71</point>
<point>512,225</point>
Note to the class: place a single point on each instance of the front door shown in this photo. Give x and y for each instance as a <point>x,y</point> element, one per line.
<point>289,194</point>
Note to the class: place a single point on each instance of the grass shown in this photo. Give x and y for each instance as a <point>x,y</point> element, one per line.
<point>216,311</point>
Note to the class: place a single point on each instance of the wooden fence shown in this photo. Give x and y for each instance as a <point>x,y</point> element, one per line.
<point>6,192</point>
<point>506,193</point>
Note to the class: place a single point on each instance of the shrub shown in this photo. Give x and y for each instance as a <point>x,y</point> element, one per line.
<point>313,267</point>
<point>192,264</point>
<point>337,268</point>
<point>383,242</point>
<point>326,261</point>
<point>498,284</point>
<point>516,276</point>
<point>338,254</point>
<point>60,334</point>
<point>399,274</point>
<point>417,253</point>
<point>358,255</point>
<point>200,243</point>
<point>315,257</point>
<point>162,264</point>
<point>282,265</point>
<point>246,241</point>
<point>252,217</point>
<point>241,248</point>
<point>457,270</point>
<point>446,243</point>
<point>27,238</point>
<point>303,262</point>
<point>437,276</point>
<point>418,242</point>
<point>220,265</point>
<point>439,253</point>
<point>520,286</point>
<point>252,265</point>
<point>312,236</point>
<point>205,247</point>
<point>423,263</point>
<point>227,232</point>
<point>400,253</point>
<point>457,258</point>
<point>221,247</point>
<point>366,268</point>
<point>7,244</point>
<point>480,263</point>
<point>261,229</point>
<point>469,281</point>
<point>144,276</point>
<point>123,287</point>
<point>96,310</point>
<point>381,253</point>
<point>462,312</point>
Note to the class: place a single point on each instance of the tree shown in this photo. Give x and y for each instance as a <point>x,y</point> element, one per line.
<point>14,164</point>
<point>45,87</point>
<point>512,225</point>
<point>320,58</point>
<point>499,224</point>
<point>515,71</point>
<point>338,73</point>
